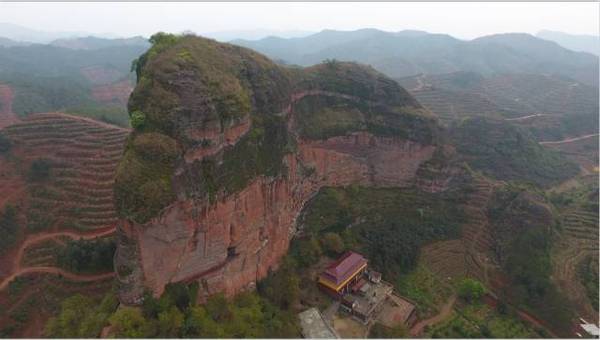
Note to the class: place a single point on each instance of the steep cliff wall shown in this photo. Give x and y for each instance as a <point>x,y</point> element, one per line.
<point>238,145</point>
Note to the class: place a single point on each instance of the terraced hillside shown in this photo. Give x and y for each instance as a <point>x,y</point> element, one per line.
<point>541,94</point>
<point>578,244</point>
<point>550,107</point>
<point>471,253</point>
<point>57,175</point>
<point>582,150</point>
<point>450,105</point>
<point>81,156</point>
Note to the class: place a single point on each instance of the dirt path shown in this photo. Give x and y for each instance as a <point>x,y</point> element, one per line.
<point>524,315</point>
<point>56,271</point>
<point>7,116</point>
<point>526,117</point>
<point>569,140</point>
<point>444,313</point>
<point>36,238</point>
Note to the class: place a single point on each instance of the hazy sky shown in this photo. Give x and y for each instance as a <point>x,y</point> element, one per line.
<point>462,20</point>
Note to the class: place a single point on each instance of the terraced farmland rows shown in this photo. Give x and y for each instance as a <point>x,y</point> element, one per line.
<point>476,234</point>
<point>449,105</point>
<point>540,93</point>
<point>579,241</point>
<point>468,255</point>
<point>83,155</point>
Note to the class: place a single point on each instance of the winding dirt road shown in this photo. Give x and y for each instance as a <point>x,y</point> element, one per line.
<point>445,312</point>
<point>569,140</point>
<point>526,117</point>
<point>57,271</point>
<point>17,270</point>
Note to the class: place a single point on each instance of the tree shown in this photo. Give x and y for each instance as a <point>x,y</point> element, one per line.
<point>73,313</point>
<point>39,170</point>
<point>471,290</point>
<point>128,322</point>
<point>170,323</point>
<point>81,317</point>
<point>199,324</point>
<point>309,251</point>
<point>333,243</point>
<point>218,307</point>
<point>138,120</point>
<point>282,288</point>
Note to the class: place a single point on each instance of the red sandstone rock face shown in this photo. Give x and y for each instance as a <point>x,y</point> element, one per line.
<point>228,245</point>
<point>216,138</point>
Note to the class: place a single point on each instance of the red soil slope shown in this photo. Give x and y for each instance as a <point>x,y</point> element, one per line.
<point>115,93</point>
<point>7,117</point>
<point>76,200</point>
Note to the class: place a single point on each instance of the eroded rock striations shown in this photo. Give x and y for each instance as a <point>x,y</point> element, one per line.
<point>227,149</point>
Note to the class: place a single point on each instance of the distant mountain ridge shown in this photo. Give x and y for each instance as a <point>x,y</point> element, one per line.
<point>5,42</point>
<point>575,42</point>
<point>406,53</point>
<point>95,43</point>
<point>24,34</point>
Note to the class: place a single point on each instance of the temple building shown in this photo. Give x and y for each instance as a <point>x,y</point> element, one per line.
<point>339,277</point>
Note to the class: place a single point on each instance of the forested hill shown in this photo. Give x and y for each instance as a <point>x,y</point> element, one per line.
<point>406,53</point>
<point>90,76</point>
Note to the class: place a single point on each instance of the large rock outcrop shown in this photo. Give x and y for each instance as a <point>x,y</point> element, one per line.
<point>227,149</point>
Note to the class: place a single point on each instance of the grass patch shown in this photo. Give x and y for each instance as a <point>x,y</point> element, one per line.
<point>425,289</point>
<point>481,321</point>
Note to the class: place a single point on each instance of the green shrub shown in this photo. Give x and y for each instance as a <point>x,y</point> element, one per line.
<point>471,290</point>
<point>137,120</point>
<point>155,147</point>
<point>88,255</point>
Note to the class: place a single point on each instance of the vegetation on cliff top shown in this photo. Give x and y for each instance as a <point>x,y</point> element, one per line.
<point>143,180</point>
<point>259,152</point>
<point>362,100</point>
<point>186,83</point>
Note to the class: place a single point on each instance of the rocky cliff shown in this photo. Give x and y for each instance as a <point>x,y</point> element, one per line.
<point>227,149</point>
